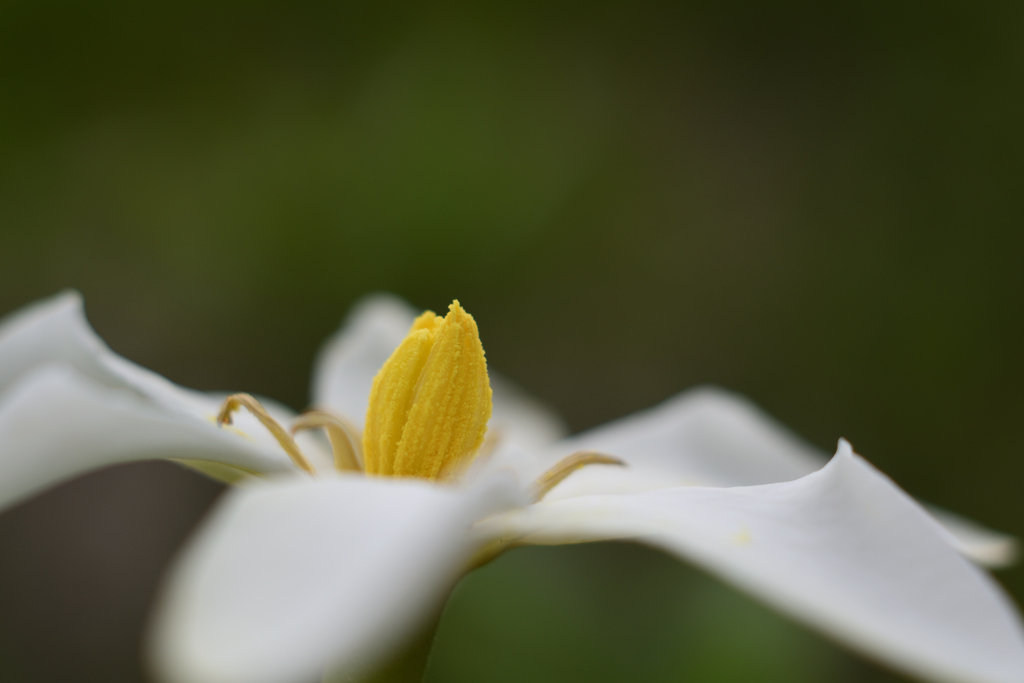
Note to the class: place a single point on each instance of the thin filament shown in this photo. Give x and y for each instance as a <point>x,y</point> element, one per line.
<point>236,401</point>
<point>345,438</point>
<point>566,466</point>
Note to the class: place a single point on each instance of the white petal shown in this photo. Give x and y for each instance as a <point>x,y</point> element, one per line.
<point>520,419</point>
<point>55,331</point>
<point>842,549</point>
<point>704,436</point>
<point>288,578</point>
<point>985,546</point>
<point>56,423</point>
<point>349,361</point>
<point>49,331</point>
<point>711,437</point>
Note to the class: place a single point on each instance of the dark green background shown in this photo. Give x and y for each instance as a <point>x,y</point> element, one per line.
<point>818,205</point>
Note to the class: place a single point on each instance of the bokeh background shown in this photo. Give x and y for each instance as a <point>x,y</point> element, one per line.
<point>816,204</point>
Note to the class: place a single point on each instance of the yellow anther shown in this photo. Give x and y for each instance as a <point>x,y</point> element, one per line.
<point>345,441</point>
<point>236,401</point>
<point>431,401</point>
<point>566,466</point>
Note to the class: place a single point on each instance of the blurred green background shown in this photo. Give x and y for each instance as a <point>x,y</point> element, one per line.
<point>817,205</point>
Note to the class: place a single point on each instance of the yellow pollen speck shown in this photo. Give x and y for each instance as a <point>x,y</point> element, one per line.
<point>743,537</point>
<point>431,401</point>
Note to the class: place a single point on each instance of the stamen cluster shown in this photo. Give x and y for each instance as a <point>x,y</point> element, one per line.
<point>427,415</point>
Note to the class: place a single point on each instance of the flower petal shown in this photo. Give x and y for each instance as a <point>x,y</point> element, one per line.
<point>986,547</point>
<point>704,436</point>
<point>55,331</point>
<point>518,418</point>
<point>842,549</point>
<point>51,330</point>
<point>56,423</point>
<point>288,578</point>
<point>349,361</point>
<point>711,437</point>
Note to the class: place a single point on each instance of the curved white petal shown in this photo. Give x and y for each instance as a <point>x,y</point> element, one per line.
<point>291,577</point>
<point>704,436</point>
<point>56,423</point>
<point>984,546</point>
<point>51,330</point>
<point>842,549</point>
<point>520,419</point>
<point>349,361</point>
<point>711,437</point>
<point>55,332</point>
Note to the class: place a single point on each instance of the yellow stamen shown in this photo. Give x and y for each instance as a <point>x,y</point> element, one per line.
<point>344,437</point>
<point>236,401</point>
<point>431,401</point>
<point>566,466</point>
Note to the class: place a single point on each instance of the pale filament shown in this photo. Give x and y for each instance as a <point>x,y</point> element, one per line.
<point>492,440</point>
<point>236,401</point>
<point>541,487</point>
<point>344,437</point>
<point>566,466</point>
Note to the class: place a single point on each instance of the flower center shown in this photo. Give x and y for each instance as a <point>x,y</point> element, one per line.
<point>431,401</point>
<point>427,415</point>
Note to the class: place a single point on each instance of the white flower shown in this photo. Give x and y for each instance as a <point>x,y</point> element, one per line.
<point>293,574</point>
